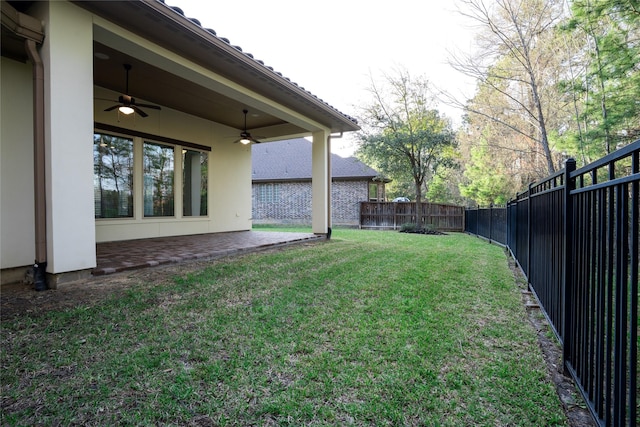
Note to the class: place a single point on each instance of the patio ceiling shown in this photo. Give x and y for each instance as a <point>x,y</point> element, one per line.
<point>158,86</point>
<point>170,29</point>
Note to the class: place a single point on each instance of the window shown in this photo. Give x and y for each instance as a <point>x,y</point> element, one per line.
<point>373,192</point>
<point>152,175</point>
<point>158,168</point>
<point>269,193</point>
<point>113,176</point>
<point>194,179</point>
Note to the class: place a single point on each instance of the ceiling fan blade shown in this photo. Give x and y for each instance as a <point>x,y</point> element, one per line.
<point>256,141</point>
<point>112,108</point>
<point>139,111</point>
<point>155,107</point>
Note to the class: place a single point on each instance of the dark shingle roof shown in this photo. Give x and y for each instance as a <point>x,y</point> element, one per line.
<point>291,160</point>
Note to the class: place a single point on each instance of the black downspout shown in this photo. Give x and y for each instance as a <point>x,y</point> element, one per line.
<point>40,265</point>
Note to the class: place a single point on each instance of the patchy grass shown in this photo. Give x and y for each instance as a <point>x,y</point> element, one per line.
<point>369,328</point>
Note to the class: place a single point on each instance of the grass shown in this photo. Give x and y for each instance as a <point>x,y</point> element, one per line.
<point>369,328</point>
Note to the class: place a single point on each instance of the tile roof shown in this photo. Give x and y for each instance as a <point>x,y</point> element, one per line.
<point>258,61</point>
<point>291,160</point>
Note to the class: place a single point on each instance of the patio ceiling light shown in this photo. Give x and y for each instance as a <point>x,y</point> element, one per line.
<point>126,110</point>
<point>245,136</point>
<point>126,103</point>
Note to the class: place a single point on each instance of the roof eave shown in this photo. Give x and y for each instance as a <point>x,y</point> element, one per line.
<point>251,69</point>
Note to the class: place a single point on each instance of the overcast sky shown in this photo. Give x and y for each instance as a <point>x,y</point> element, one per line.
<point>332,47</point>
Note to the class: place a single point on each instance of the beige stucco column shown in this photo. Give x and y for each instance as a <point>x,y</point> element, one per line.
<point>67,53</point>
<point>321,182</point>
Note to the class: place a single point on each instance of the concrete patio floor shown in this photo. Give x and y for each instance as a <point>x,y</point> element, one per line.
<point>114,257</point>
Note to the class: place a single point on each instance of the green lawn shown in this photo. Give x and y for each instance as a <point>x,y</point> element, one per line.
<point>369,328</point>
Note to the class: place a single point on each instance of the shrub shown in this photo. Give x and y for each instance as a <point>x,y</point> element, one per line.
<point>408,227</point>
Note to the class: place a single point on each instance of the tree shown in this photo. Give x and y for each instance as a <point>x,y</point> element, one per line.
<point>555,79</point>
<point>496,187</point>
<point>403,135</point>
<point>608,88</point>
<point>512,62</point>
<point>498,159</point>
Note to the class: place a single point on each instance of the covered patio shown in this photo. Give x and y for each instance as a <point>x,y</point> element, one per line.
<point>178,164</point>
<point>115,257</point>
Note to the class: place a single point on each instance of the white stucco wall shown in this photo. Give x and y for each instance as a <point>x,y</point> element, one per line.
<point>229,174</point>
<point>321,182</point>
<point>67,54</point>
<point>231,187</point>
<point>17,235</point>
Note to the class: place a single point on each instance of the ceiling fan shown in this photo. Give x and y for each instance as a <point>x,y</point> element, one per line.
<point>245,136</point>
<point>127,104</point>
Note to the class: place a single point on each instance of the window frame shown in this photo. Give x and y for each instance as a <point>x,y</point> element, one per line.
<point>204,198</point>
<point>139,139</point>
<point>132,187</point>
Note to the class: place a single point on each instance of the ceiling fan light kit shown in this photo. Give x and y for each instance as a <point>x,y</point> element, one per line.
<point>245,136</point>
<point>126,110</point>
<point>127,104</point>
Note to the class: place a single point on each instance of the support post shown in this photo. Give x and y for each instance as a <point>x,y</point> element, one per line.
<point>321,183</point>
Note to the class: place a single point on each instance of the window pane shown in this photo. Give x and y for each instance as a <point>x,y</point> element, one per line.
<point>373,192</point>
<point>158,179</point>
<point>112,176</point>
<point>194,178</point>
<point>269,193</point>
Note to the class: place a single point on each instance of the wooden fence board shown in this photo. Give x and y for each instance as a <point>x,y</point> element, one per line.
<point>392,215</point>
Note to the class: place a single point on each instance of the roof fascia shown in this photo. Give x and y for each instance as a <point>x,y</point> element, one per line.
<point>254,70</point>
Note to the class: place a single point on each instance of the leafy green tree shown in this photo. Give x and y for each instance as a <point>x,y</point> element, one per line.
<point>513,61</point>
<point>403,135</point>
<point>608,88</point>
<point>555,79</point>
<point>486,180</point>
<point>400,187</point>
<point>444,188</point>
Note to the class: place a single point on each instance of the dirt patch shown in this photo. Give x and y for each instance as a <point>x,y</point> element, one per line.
<point>574,407</point>
<point>20,299</point>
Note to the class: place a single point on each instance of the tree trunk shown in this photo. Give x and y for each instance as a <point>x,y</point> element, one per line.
<point>418,204</point>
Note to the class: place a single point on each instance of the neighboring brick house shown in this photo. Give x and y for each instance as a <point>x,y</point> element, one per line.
<point>281,190</point>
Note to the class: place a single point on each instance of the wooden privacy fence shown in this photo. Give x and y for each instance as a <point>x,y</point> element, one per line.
<point>392,215</point>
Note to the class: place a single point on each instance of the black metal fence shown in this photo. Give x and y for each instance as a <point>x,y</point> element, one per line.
<point>575,237</point>
<point>490,223</point>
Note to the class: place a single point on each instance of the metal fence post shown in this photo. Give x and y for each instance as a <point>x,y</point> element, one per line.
<point>567,263</point>
<point>529,243</point>
<point>635,242</point>
<point>490,222</point>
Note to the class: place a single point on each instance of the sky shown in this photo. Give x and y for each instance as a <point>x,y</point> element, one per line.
<point>334,48</point>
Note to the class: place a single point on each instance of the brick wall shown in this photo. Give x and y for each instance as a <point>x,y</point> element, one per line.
<point>290,202</point>
<point>345,201</point>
